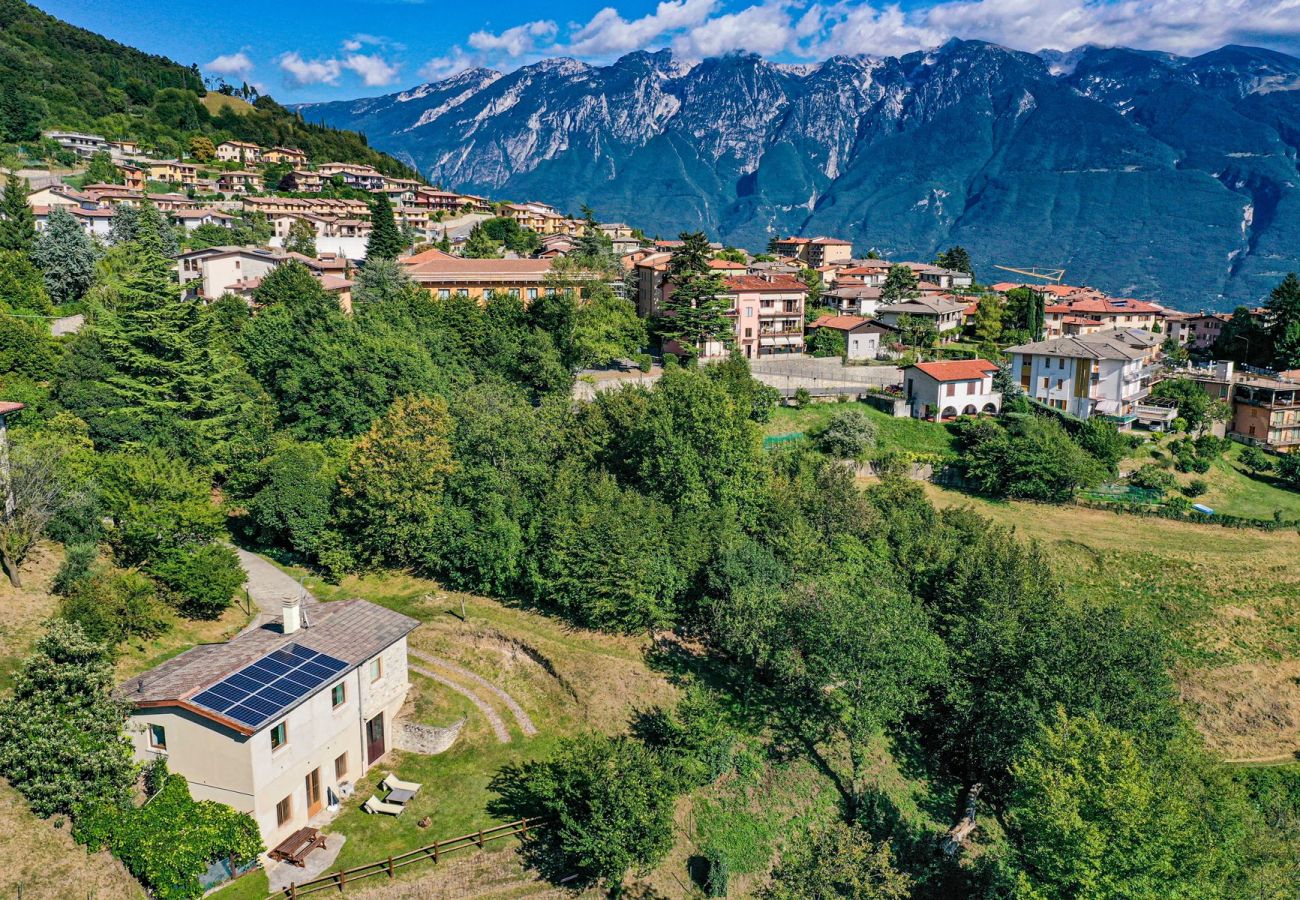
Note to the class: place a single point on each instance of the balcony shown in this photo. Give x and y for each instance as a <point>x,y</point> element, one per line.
<point>789,332</point>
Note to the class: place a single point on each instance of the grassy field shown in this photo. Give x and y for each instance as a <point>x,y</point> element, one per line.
<point>214,102</point>
<point>891,433</point>
<point>1230,598</point>
<point>1232,489</point>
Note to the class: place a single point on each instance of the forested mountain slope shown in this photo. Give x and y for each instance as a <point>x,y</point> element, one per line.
<point>55,75</point>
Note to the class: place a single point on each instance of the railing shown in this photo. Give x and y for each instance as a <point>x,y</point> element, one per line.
<point>337,881</point>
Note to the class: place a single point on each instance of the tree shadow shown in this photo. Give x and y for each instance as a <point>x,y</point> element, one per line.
<point>541,849</point>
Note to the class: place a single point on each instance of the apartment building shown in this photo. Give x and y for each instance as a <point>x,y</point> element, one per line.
<point>444,275</point>
<point>1106,373</point>
<point>239,151</point>
<point>280,721</point>
<point>1266,411</point>
<point>814,252</point>
<point>174,171</point>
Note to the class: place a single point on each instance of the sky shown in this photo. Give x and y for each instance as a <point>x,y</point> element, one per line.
<point>310,50</point>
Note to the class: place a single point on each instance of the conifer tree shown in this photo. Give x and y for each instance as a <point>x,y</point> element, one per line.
<point>900,285</point>
<point>17,224</point>
<point>695,311</point>
<point>480,245</point>
<point>1284,310</point>
<point>302,238</point>
<point>66,256</point>
<point>385,240</point>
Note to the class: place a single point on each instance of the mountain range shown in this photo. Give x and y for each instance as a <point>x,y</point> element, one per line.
<point>1142,173</point>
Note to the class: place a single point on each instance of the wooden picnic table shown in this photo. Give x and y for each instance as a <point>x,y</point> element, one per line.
<point>295,848</point>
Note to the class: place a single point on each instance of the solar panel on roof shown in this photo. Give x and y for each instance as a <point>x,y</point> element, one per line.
<point>267,687</point>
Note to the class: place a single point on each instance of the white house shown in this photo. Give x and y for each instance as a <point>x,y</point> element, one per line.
<point>1104,373</point>
<point>210,272</point>
<point>945,315</point>
<point>862,337</point>
<point>951,388</point>
<point>280,721</point>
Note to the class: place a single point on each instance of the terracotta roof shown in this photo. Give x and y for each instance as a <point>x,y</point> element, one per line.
<point>956,369</point>
<point>433,264</point>
<point>848,323</point>
<point>350,630</point>
<point>1108,305</point>
<point>833,241</point>
<point>727,264</point>
<point>777,282</point>
<point>10,406</point>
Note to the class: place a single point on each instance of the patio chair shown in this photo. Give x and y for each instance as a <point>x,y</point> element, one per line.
<point>392,783</point>
<point>376,806</point>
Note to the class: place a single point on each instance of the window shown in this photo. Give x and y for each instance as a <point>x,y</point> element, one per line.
<point>340,766</point>
<point>284,810</point>
<point>444,293</point>
<point>749,332</point>
<point>338,695</point>
<point>532,293</point>
<point>950,389</point>
<point>749,312</point>
<point>279,736</point>
<point>157,737</point>
<point>376,669</point>
<point>514,293</point>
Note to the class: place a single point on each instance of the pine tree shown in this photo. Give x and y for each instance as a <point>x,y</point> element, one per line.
<point>480,245</point>
<point>17,224</point>
<point>695,312</point>
<point>385,240</point>
<point>66,256</point>
<point>955,258</point>
<point>900,284</point>
<point>1284,329</point>
<point>101,170</point>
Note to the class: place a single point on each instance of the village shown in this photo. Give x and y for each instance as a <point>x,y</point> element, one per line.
<point>320,710</point>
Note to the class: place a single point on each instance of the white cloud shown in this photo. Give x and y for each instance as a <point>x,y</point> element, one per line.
<point>517,41</point>
<point>609,33</point>
<point>768,28</point>
<point>303,72</point>
<point>453,62</point>
<point>237,64</point>
<point>375,71</point>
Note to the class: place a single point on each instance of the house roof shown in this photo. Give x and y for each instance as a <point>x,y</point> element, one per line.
<point>836,242</point>
<point>850,323</point>
<point>350,630</point>
<point>10,406</point>
<point>1111,343</point>
<point>771,283</point>
<point>924,307</point>
<point>727,265</point>
<point>956,369</point>
<point>432,265</point>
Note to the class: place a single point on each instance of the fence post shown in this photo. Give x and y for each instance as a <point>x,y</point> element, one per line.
<point>480,838</point>
<point>293,891</point>
<point>524,824</point>
<point>390,867</point>
<point>436,845</point>
<point>343,877</point>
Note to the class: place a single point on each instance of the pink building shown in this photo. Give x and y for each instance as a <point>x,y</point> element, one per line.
<point>767,310</point>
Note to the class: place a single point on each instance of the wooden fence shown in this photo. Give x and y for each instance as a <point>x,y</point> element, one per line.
<point>338,881</point>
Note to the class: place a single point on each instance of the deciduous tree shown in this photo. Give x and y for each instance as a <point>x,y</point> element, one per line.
<point>302,238</point>
<point>841,861</point>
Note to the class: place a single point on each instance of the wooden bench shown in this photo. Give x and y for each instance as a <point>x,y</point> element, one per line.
<point>295,848</point>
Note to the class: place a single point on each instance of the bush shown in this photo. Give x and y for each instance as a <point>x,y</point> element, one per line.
<point>1256,460</point>
<point>644,361</point>
<point>171,840</point>
<point>77,560</point>
<point>202,578</point>
<point>802,398</point>
<point>693,741</point>
<point>1153,478</point>
<point>718,876</point>
<point>116,605</point>
<point>848,435</point>
<point>1196,487</point>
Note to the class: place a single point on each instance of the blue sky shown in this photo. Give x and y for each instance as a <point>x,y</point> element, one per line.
<point>329,49</point>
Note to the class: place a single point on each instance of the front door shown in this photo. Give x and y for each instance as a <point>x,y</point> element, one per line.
<point>375,738</point>
<point>313,793</point>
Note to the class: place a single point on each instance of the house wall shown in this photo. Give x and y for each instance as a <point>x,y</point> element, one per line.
<point>928,397</point>
<point>862,346</point>
<point>214,759</point>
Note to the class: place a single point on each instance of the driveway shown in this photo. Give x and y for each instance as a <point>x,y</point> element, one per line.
<point>268,586</point>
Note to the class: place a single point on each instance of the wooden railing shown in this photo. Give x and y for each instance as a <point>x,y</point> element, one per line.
<point>338,881</point>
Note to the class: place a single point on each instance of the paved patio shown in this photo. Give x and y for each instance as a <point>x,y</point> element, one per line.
<point>280,875</point>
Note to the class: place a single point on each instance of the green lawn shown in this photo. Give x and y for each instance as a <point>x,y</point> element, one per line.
<point>891,434</point>
<point>1232,489</point>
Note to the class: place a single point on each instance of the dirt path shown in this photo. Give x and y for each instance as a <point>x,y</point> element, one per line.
<point>525,723</point>
<point>498,726</point>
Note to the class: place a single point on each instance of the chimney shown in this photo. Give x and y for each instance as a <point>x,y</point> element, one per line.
<point>292,615</point>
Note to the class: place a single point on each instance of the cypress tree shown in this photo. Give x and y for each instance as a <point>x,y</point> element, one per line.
<point>17,224</point>
<point>385,240</point>
<point>479,245</point>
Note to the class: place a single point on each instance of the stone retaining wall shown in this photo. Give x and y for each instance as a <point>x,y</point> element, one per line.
<point>426,739</point>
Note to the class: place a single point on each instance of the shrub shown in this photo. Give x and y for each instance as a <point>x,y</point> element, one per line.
<point>201,578</point>
<point>693,741</point>
<point>171,840</point>
<point>1153,478</point>
<point>849,434</point>
<point>77,560</point>
<point>644,361</point>
<point>1196,487</point>
<point>116,605</point>
<point>718,876</point>
<point>802,398</point>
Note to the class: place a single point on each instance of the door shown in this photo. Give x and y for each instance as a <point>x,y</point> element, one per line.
<point>313,793</point>
<point>375,738</point>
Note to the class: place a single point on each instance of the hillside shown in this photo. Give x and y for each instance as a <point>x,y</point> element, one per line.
<point>53,74</point>
<point>1142,174</point>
